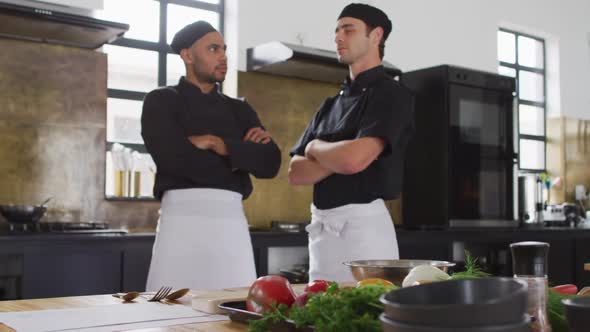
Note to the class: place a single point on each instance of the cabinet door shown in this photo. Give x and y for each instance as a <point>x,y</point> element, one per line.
<point>582,257</point>
<point>136,265</point>
<point>561,262</point>
<point>71,270</point>
<point>11,270</point>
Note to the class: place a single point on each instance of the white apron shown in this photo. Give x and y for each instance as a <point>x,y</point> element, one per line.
<point>349,232</point>
<point>202,242</point>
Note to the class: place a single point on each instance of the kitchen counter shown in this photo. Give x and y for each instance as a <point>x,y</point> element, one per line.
<point>84,264</point>
<point>102,300</point>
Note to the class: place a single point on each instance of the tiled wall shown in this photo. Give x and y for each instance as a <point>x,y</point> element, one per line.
<point>52,123</point>
<point>285,106</point>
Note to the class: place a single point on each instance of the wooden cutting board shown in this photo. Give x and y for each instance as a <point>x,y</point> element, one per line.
<point>207,301</point>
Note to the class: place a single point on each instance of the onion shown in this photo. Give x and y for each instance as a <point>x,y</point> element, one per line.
<point>424,273</point>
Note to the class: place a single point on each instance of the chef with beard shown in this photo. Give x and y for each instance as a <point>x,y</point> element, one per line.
<point>205,146</point>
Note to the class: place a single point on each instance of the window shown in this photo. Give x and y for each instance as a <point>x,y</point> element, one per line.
<point>137,64</point>
<point>523,57</point>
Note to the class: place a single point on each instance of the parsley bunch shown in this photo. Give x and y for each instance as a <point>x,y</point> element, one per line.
<point>341,310</point>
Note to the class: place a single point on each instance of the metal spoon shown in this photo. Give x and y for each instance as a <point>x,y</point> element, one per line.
<point>177,294</point>
<point>127,297</point>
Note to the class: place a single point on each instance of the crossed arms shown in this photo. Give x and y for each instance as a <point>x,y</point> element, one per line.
<point>323,159</point>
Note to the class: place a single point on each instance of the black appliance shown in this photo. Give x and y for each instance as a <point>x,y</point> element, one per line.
<point>461,163</point>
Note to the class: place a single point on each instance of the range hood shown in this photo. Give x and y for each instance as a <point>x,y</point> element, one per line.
<point>290,60</point>
<point>43,25</point>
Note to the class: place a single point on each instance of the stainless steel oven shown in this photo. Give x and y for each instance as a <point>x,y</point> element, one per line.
<point>461,164</point>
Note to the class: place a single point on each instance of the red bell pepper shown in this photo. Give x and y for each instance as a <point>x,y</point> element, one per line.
<point>567,289</point>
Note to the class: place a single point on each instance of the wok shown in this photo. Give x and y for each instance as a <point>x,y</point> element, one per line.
<point>23,214</point>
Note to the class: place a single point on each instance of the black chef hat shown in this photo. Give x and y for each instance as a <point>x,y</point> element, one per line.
<point>372,16</point>
<point>190,34</point>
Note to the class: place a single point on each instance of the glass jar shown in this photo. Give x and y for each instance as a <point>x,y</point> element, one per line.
<point>530,264</point>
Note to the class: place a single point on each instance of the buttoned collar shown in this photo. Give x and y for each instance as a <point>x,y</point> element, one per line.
<point>362,81</point>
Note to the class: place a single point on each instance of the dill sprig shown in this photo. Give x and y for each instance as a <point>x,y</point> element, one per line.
<point>472,269</point>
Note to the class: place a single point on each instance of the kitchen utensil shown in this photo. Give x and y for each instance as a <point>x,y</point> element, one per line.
<point>130,296</point>
<point>160,294</point>
<point>526,200</point>
<point>459,303</point>
<point>209,301</point>
<point>127,297</point>
<point>46,201</point>
<point>177,294</point>
<point>22,213</point>
<point>393,270</point>
<point>577,311</point>
<point>390,325</point>
<point>238,313</point>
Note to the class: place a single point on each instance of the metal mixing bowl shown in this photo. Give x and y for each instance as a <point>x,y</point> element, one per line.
<point>394,270</point>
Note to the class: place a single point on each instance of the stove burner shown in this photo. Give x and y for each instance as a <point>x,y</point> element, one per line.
<point>61,227</point>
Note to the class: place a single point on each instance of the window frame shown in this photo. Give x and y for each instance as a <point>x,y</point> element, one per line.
<point>541,71</point>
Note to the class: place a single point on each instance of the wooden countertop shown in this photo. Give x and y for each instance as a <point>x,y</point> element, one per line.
<point>586,266</point>
<point>99,300</point>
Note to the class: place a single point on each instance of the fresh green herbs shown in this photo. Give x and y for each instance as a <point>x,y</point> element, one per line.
<point>472,269</point>
<point>556,311</point>
<point>342,310</point>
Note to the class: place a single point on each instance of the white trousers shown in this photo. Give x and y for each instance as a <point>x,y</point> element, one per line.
<point>349,232</point>
<point>202,242</point>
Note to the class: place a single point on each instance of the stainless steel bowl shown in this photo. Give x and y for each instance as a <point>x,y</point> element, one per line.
<point>394,270</point>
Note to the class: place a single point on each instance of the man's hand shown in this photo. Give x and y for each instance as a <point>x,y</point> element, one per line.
<point>257,135</point>
<point>308,149</point>
<point>209,142</point>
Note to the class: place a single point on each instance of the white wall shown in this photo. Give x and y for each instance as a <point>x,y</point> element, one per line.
<point>431,32</point>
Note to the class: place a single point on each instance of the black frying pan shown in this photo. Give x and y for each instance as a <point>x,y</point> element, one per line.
<point>24,214</point>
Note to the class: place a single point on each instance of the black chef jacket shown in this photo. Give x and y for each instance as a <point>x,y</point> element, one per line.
<point>374,105</point>
<point>172,114</point>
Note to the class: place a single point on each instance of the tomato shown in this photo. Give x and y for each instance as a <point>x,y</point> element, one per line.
<point>567,289</point>
<point>317,286</point>
<point>374,281</point>
<point>269,290</point>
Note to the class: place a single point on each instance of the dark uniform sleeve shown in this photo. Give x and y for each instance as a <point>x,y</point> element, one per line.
<point>389,115</point>
<point>166,141</point>
<point>261,160</point>
<point>306,137</point>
